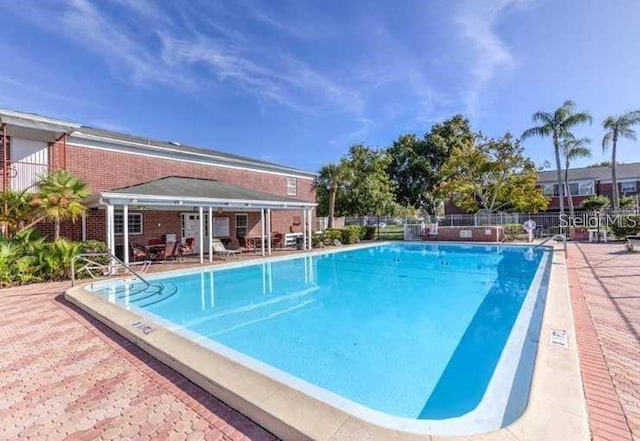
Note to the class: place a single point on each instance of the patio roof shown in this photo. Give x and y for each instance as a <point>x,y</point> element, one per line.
<point>177,191</point>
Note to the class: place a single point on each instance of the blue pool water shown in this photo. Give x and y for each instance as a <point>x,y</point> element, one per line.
<point>412,330</point>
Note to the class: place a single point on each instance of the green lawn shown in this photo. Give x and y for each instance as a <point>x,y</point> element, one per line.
<point>390,232</point>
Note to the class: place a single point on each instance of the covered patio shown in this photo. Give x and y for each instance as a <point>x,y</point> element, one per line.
<point>205,209</point>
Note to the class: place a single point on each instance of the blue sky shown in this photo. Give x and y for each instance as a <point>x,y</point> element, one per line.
<point>297,82</point>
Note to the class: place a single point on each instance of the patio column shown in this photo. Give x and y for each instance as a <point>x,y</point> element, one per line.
<point>304,228</point>
<point>310,225</point>
<point>84,226</point>
<point>269,231</point>
<point>210,234</point>
<point>201,238</point>
<point>125,233</point>
<point>262,230</point>
<point>111,242</point>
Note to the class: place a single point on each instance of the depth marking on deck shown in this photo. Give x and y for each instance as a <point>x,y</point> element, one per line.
<point>559,337</point>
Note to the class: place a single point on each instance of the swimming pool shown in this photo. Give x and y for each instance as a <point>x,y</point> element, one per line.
<point>414,333</point>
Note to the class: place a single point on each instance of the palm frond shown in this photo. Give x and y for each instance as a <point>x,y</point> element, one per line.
<point>627,134</point>
<point>578,152</point>
<point>540,131</point>
<point>577,118</point>
<point>606,140</point>
<point>542,117</point>
<point>632,117</point>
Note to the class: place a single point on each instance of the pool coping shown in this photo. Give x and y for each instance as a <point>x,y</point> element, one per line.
<point>556,390</point>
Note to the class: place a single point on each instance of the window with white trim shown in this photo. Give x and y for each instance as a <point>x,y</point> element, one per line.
<point>628,187</point>
<point>292,186</point>
<point>242,225</point>
<point>578,188</point>
<point>586,188</point>
<point>135,223</point>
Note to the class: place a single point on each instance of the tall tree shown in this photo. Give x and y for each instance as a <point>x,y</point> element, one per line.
<point>573,148</point>
<point>331,178</point>
<point>369,189</point>
<point>618,126</point>
<point>59,198</point>
<point>492,175</point>
<point>416,162</point>
<point>558,125</point>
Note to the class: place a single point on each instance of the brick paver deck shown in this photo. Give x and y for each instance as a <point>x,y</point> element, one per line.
<point>606,303</point>
<point>65,376</point>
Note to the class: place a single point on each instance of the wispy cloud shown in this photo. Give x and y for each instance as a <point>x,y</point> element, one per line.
<point>477,23</point>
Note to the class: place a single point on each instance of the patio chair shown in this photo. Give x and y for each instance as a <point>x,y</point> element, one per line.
<point>170,251</point>
<point>137,252</point>
<point>277,240</point>
<point>186,247</point>
<point>220,249</point>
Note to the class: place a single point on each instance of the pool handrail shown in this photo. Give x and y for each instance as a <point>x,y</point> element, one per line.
<point>92,264</point>
<point>555,236</point>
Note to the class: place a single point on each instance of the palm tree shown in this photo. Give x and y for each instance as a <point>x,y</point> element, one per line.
<point>59,198</point>
<point>558,125</point>
<point>573,148</point>
<point>332,177</point>
<point>618,126</point>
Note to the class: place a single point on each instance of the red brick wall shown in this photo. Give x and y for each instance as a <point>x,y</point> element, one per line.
<point>157,223</point>
<point>106,170</point>
<point>478,234</point>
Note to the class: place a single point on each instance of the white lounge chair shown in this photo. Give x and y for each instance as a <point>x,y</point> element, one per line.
<point>220,249</point>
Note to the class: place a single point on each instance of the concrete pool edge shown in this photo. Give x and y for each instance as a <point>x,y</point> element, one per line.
<point>292,414</point>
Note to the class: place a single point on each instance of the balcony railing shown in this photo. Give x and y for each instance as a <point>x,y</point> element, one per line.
<point>24,176</point>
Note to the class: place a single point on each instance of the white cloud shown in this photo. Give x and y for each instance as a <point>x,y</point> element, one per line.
<point>477,21</point>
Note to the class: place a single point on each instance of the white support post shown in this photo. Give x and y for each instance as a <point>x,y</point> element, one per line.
<point>210,234</point>
<point>84,226</point>
<point>269,231</point>
<point>201,238</point>
<point>310,224</point>
<point>125,233</point>
<point>262,231</point>
<point>111,237</point>
<point>304,229</point>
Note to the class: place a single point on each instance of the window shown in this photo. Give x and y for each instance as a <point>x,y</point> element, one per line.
<point>574,188</point>
<point>578,188</point>
<point>586,188</point>
<point>548,189</point>
<point>292,186</point>
<point>242,225</point>
<point>628,187</point>
<point>135,223</point>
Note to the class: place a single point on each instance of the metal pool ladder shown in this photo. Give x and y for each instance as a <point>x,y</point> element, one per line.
<point>92,264</point>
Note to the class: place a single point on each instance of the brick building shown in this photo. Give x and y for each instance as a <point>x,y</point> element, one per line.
<point>588,181</point>
<point>161,188</point>
<point>584,182</point>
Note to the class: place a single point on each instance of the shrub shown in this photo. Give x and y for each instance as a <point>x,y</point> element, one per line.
<point>627,202</point>
<point>332,234</point>
<point>625,226</point>
<point>514,232</point>
<point>595,203</point>
<point>369,233</point>
<point>28,259</point>
<point>351,234</point>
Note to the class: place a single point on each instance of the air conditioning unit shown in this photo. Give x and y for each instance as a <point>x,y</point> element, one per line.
<point>169,238</point>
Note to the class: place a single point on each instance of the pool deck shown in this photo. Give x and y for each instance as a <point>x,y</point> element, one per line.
<point>65,375</point>
<point>605,290</point>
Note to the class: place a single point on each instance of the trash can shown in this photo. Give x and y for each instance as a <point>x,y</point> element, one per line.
<point>299,243</point>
